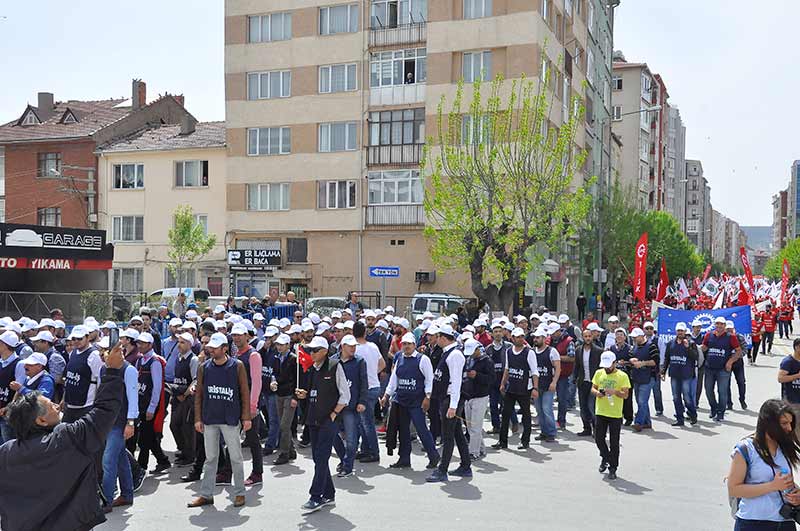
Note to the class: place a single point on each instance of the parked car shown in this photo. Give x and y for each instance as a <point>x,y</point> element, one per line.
<point>168,295</point>
<point>437,303</point>
<point>325,305</point>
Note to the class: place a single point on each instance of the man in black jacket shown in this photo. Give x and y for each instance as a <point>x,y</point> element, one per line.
<point>287,405</point>
<point>57,460</point>
<point>587,361</point>
<point>478,378</point>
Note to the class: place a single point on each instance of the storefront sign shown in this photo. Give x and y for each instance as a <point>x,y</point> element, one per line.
<point>53,248</point>
<point>53,263</point>
<point>254,259</point>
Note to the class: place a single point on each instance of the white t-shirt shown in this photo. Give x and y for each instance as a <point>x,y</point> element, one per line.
<point>370,353</point>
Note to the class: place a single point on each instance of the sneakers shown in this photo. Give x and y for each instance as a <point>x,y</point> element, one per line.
<point>678,423</point>
<point>382,429</point>
<point>161,468</point>
<point>400,464</point>
<point>254,479</point>
<point>462,472</point>
<point>523,446</point>
<point>223,479</point>
<point>370,459</point>
<point>500,446</point>
<point>138,479</point>
<point>692,420</point>
<point>603,466</point>
<point>437,477</point>
<point>328,502</point>
<point>584,433</point>
<point>281,460</point>
<point>612,474</point>
<point>312,506</point>
<point>268,451</point>
<point>191,477</point>
<point>345,474</point>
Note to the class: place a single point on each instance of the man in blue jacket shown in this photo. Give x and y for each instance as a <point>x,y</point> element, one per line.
<point>37,378</point>
<point>57,460</point>
<point>355,370</point>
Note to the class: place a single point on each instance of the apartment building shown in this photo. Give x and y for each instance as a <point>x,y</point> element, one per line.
<point>675,182</point>
<point>793,202</point>
<point>698,207</point>
<point>719,242</point>
<point>780,220</point>
<point>142,180</point>
<point>327,110</point>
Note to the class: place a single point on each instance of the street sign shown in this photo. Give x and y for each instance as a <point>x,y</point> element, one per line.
<point>254,259</point>
<point>384,271</point>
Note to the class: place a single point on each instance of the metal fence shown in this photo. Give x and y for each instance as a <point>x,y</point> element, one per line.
<point>75,306</point>
<point>403,304</point>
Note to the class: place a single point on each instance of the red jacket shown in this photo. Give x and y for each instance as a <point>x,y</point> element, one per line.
<point>757,327</point>
<point>768,317</point>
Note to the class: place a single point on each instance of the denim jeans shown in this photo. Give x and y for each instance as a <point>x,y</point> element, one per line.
<point>682,397</point>
<point>6,433</point>
<point>346,448</point>
<point>721,379</point>
<point>544,405</point>
<point>657,398</point>
<point>572,393</point>
<point>322,438</point>
<point>116,466</point>
<point>562,392</point>
<point>274,429</point>
<point>211,435</point>
<point>643,403</point>
<point>415,415</point>
<point>369,437</point>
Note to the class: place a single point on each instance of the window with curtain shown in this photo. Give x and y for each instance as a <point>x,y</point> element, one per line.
<point>268,28</point>
<point>338,136</point>
<point>269,141</point>
<point>393,128</point>
<point>338,19</point>
<point>269,85</point>
<point>191,173</point>
<point>388,69</point>
<point>477,8</point>
<point>336,194</point>
<point>395,187</point>
<point>337,78</point>
<point>477,66</point>
<point>128,176</point>
<point>127,228</point>
<point>268,196</point>
<point>128,279</point>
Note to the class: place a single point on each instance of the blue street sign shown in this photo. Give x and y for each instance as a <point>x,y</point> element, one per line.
<point>384,271</point>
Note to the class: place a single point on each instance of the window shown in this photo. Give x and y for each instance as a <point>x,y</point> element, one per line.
<point>30,119</point>
<point>69,118</point>
<point>616,113</point>
<point>191,173</point>
<point>393,13</point>
<point>127,228</point>
<point>50,216</point>
<point>339,136</point>
<point>477,8</point>
<point>394,128</point>
<point>565,96</point>
<point>590,66</point>
<point>387,69</point>
<point>568,7</point>
<point>268,197</point>
<point>128,279</point>
<point>590,18</point>
<point>268,85</point>
<point>269,141</point>
<point>616,82</point>
<point>201,219</point>
<point>644,120</point>
<point>691,225</point>
<point>336,194</point>
<point>397,242</point>
<point>296,250</point>
<point>186,277</point>
<point>395,187</point>
<point>128,176</point>
<point>477,66</point>
<point>49,164</point>
<point>338,19</point>
<point>337,78</point>
<point>474,132</point>
<point>266,28</point>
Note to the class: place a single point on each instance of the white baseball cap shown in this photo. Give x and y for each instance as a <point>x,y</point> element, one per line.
<point>349,339</point>
<point>136,319</point>
<point>466,335</point>
<point>145,337</point>
<point>336,314</point>
<point>175,321</point>
<point>541,331</point>
<point>470,345</point>
<point>349,325</point>
<point>369,313</point>
<point>322,328</point>
<point>564,318</point>
<point>44,335</point>
<point>130,333</point>
<point>382,324</point>
<point>189,325</point>
<point>594,327</point>
<point>37,358</point>
<point>295,329</point>
<point>258,317</point>
<point>720,319</point>
<point>408,337</point>
<point>308,327</point>
<point>648,324</point>
<point>697,323</point>
<point>239,330</point>
<point>219,308</point>
<point>271,331</point>
<point>78,332</point>
<point>432,330</point>
<point>191,314</point>
<point>109,325</point>
<point>339,326</point>
<point>447,330</point>
<point>402,322</point>
<point>518,332</point>
<point>389,309</point>
<point>607,359</point>
<point>104,342</point>
<point>220,324</point>
<point>217,340</point>
<point>509,326</point>
<point>318,342</point>
<point>47,322</point>
<point>91,326</point>
<point>59,323</point>
<point>283,339</point>
<point>314,317</point>
<point>729,324</point>
<point>284,322</point>
<point>9,338</point>
<point>613,319</point>
<point>680,326</point>
<point>186,336</point>
<point>637,332</point>
<point>427,315</point>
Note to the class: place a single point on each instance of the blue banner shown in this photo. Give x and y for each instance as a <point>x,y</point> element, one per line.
<point>668,318</point>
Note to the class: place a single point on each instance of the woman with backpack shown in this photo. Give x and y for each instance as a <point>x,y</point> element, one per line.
<point>760,478</point>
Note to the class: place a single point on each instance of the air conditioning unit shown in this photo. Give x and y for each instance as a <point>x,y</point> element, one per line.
<point>92,218</point>
<point>425,277</point>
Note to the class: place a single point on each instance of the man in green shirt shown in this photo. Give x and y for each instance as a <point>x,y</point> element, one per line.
<point>610,388</point>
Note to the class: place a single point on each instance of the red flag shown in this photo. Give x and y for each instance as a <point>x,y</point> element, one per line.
<point>744,297</point>
<point>663,281</point>
<point>747,271</point>
<point>304,359</point>
<point>706,272</point>
<point>640,269</point>
<point>785,281</point>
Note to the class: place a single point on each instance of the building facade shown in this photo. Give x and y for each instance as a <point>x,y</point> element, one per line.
<point>698,207</point>
<point>327,111</point>
<point>675,182</point>
<point>793,204</point>
<point>142,180</point>
<point>780,220</point>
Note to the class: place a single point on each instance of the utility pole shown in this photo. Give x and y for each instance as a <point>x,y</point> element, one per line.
<point>91,193</point>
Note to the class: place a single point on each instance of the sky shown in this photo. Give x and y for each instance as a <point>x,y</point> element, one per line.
<point>731,71</point>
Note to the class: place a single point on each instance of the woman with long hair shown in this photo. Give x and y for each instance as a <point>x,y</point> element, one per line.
<point>761,470</point>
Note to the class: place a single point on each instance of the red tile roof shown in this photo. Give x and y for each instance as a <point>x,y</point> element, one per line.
<point>92,116</point>
<point>205,135</point>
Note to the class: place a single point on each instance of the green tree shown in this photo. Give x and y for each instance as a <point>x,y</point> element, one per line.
<point>668,241</point>
<point>501,184</point>
<point>774,267</point>
<point>188,242</point>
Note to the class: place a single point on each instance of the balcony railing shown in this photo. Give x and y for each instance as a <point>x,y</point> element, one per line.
<point>397,94</point>
<point>389,215</point>
<point>394,155</point>
<point>403,34</point>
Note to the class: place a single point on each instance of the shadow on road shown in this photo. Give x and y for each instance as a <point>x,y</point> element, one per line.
<point>210,517</point>
<point>326,520</point>
<point>462,490</point>
<point>286,470</point>
<point>353,485</point>
<point>627,487</point>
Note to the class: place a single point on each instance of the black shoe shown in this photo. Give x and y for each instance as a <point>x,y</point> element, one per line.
<point>628,422</point>
<point>743,404</point>
<point>678,423</point>
<point>540,437</point>
<point>500,446</point>
<point>268,451</point>
<point>370,459</point>
<point>692,420</point>
<point>432,463</point>
<point>400,464</point>
<point>603,466</point>
<point>360,455</point>
<point>161,468</point>
<point>390,451</point>
<point>281,460</point>
<point>523,446</point>
<point>304,444</point>
<point>138,479</point>
<point>730,407</point>
<point>585,433</point>
<point>659,413</point>
<point>292,455</point>
<point>612,474</point>
<point>190,477</point>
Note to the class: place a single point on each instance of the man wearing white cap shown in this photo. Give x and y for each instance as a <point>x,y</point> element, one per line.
<point>737,368</point>
<point>520,380</point>
<point>355,370</point>
<point>286,403</point>
<point>82,376</point>
<point>410,387</point>
<point>652,337</point>
<point>43,343</point>
<point>252,364</point>
<point>608,335</point>
<point>181,422</point>
<point>152,405</point>
<point>37,378</point>
<point>681,360</point>
<point>722,350</point>
<point>478,379</point>
<point>610,388</point>
<point>375,364</point>
<point>11,370</point>
<point>221,409</point>
<point>644,372</point>
<point>548,363</point>
<point>169,348</point>
<point>497,351</point>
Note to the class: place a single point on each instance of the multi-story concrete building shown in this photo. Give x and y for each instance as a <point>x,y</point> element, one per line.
<point>634,89</point>
<point>698,207</point>
<point>659,131</point>
<point>718,228</point>
<point>793,202</point>
<point>780,220</point>
<point>2,184</point>
<point>328,107</point>
<point>142,179</point>
<point>675,182</point>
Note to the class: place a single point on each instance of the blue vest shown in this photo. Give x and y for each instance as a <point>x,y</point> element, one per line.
<point>146,383</point>
<point>546,369</point>
<point>269,363</point>
<point>351,370</point>
<point>78,378</point>
<point>643,375</point>
<point>680,365</point>
<point>7,374</point>
<point>222,401</point>
<point>498,355</point>
<point>519,372</point>
<point>410,382</point>
<point>719,350</point>
<point>183,370</point>
<point>441,376</point>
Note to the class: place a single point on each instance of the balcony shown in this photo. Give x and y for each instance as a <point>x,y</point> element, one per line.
<point>394,215</point>
<point>394,155</point>
<point>414,33</point>
<point>397,94</point>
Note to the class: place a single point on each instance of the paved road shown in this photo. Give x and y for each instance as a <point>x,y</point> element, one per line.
<point>669,478</point>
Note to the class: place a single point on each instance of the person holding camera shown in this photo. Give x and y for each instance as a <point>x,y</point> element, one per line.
<point>760,476</point>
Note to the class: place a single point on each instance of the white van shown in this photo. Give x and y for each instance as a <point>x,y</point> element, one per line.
<point>437,303</point>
